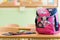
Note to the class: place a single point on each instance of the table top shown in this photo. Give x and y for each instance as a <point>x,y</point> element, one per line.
<point>31,36</point>
<point>28,35</point>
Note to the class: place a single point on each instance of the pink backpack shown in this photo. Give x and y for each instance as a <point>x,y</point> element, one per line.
<point>47,21</point>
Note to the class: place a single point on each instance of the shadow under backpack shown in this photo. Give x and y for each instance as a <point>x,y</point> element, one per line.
<point>46,21</point>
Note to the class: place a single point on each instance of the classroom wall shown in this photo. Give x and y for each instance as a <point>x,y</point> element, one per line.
<point>22,17</point>
<point>14,16</point>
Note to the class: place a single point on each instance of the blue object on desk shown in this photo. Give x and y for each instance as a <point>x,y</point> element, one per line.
<point>18,33</point>
<point>30,32</point>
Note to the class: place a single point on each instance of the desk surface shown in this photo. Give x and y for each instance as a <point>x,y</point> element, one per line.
<point>32,36</point>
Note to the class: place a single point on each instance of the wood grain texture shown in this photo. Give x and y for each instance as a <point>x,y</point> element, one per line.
<point>8,4</point>
<point>28,3</point>
<point>26,37</point>
<point>32,4</point>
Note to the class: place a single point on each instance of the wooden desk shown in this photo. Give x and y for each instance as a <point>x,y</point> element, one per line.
<point>26,37</point>
<point>31,37</point>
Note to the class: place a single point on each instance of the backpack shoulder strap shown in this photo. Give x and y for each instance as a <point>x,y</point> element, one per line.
<point>36,21</point>
<point>37,13</point>
<point>56,24</point>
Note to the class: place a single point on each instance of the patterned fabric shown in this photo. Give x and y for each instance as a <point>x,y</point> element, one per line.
<point>46,22</point>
